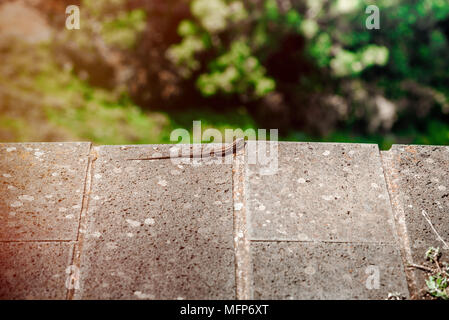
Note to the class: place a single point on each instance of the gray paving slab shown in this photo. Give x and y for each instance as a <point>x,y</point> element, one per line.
<point>419,185</point>
<point>34,270</point>
<point>321,192</point>
<point>41,190</point>
<point>308,270</point>
<point>157,229</point>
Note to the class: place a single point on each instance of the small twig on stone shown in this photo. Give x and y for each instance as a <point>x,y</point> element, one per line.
<point>426,216</point>
<point>418,266</point>
<point>438,265</point>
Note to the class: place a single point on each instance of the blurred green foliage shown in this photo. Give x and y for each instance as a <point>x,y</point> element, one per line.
<point>46,95</point>
<point>138,69</point>
<point>123,29</point>
<point>365,81</point>
<point>95,114</point>
<point>235,70</point>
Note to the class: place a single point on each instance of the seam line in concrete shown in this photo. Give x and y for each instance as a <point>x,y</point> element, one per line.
<point>388,165</point>
<point>325,241</point>
<point>76,257</point>
<point>396,233</point>
<point>241,243</point>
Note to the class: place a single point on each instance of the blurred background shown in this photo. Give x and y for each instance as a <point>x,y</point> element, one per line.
<point>137,69</point>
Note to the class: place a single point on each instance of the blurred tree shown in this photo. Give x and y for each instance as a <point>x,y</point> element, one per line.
<point>313,65</point>
<point>308,67</point>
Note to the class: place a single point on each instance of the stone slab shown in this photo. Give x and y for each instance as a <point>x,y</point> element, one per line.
<point>419,184</point>
<point>321,192</point>
<point>41,190</point>
<point>157,229</point>
<point>299,270</point>
<point>34,270</point>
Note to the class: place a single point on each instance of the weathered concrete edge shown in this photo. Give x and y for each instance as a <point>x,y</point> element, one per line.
<point>391,177</point>
<point>82,227</point>
<point>243,266</point>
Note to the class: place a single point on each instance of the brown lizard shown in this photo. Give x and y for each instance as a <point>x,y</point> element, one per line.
<point>221,152</point>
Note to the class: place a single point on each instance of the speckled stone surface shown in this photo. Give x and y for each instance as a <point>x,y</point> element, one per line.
<point>243,267</point>
<point>314,223</point>
<point>34,270</point>
<point>419,184</point>
<point>157,229</point>
<point>299,270</point>
<point>41,190</point>
<point>321,192</point>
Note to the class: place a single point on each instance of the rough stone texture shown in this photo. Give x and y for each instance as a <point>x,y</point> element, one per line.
<point>41,190</point>
<point>165,229</point>
<point>320,222</point>
<point>34,270</point>
<point>321,191</point>
<point>299,270</point>
<point>156,229</point>
<point>419,185</point>
<point>243,272</point>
